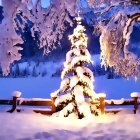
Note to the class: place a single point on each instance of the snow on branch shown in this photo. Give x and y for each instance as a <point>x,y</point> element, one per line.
<point>115,27</point>
<point>132,18</point>
<point>8,37</point>
<point>79,83</point>
<point>49,23</point>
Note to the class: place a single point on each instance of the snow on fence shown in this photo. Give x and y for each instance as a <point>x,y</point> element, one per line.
<point>17,102</point>
<point>122,102</point>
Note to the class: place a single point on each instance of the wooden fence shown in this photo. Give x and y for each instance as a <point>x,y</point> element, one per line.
<point>17,103</point>
<point>134,101</point>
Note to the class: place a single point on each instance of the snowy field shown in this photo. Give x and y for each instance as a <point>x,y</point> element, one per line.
<point>32,126</point>
<point>42,87</point>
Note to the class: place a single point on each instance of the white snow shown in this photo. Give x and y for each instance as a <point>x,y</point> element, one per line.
<point>55,93</point>
<point>63,98</point>
<point>135,94</point>
<point>78,92</point>
<point>64,111</point>
<point>101,95</point>
<point>81,70</point>
<point>31,126</point>
<point>121,101</point>
<point>81,58</point>
<point>64,84</point>
<point>73,81</point>
<point>16,94</point>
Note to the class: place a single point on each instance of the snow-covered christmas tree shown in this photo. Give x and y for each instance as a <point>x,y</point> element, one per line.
<point>77,91</point>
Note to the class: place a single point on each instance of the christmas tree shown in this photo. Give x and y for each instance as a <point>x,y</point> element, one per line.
<point>76,93</point>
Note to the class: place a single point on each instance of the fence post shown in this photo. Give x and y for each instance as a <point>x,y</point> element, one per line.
<point>135,104</point>
<point>102,105</point>
<point>135,96</point>
<point>102,102</point>
<point>53,105</point>
<point>16,95</point>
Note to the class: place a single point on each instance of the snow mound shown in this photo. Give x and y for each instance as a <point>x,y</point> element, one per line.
<point>16,94</point>
<point>135,94</point>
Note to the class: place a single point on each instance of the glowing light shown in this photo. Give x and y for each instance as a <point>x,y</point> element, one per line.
<point>104,118</point>
<point>80,84</point>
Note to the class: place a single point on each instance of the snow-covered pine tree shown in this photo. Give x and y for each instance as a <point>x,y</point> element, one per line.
<point>34,73</point>
<point>77,78</point>
<point>17,71</point>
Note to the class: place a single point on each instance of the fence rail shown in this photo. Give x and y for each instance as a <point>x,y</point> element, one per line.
<point>122,102</point>
<point>6,102</point>
<point>18,102</point>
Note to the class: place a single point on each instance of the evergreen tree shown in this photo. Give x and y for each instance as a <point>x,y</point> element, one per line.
<point>26,71</point>
<point>34,74</point>
<point>78,79</point>
<point>44,73</point>
<point>16,71</point>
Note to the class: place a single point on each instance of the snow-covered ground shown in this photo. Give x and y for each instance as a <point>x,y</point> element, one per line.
<point>32,126</point>
<point>41,87</point>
